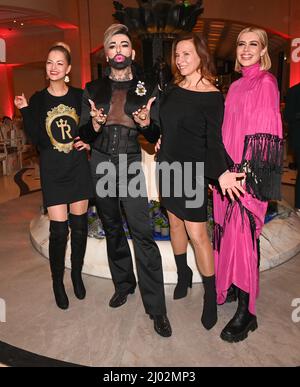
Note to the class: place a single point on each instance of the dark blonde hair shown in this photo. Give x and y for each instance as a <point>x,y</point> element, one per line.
<point>115,29</point>
<point>206,66</point>
<point>265,62</point>
<point>64,48</point>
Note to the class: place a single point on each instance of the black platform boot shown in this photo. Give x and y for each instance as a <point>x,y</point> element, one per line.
<point>242,322</point>
<point>185,277</point>
<point>232,294</point>
<point>209,316</point>
<point>79,231</point>
<point>57,249</point>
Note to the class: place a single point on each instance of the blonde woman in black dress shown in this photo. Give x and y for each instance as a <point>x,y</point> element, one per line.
<point>51,121</point>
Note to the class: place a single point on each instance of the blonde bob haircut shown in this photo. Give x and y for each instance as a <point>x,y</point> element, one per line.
<point>115,29</point>
<point>265,63</point>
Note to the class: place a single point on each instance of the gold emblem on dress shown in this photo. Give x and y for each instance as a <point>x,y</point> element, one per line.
<point>56,115</point>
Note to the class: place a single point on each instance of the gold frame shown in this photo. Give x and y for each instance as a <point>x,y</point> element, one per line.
<point>60,110</point>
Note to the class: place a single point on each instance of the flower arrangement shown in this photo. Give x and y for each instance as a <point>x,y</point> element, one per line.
<point>95,228</point>
<point>160,224</point>
<point>157,217</point>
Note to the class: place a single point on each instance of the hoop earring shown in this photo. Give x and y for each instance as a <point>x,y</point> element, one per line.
<point>67,78</point>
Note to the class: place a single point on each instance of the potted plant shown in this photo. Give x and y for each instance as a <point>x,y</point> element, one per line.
<point>156,207</point>
<point>165,230</point>
<point>158,222</point>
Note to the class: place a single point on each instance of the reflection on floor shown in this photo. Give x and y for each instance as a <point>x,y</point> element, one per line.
<point>90,333</point>
<point>10,189</point>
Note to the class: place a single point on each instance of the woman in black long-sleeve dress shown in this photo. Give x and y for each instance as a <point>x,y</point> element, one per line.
<point>191,114</point>
<point>51,120</point>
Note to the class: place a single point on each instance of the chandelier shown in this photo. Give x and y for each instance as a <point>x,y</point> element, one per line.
<point>159,16</point>
<point>156,23</point>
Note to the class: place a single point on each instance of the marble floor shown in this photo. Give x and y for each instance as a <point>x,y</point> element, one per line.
<point>92,334</point>
<point>10,190</point>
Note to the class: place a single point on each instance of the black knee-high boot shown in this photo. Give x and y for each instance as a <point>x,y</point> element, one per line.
<point>57,249</point>
<point>242,322</point>
<point>209,316</point>
<point>185,276</point>
<point>79,231</point>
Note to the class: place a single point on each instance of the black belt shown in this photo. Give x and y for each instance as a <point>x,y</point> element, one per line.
<point>116,139</point>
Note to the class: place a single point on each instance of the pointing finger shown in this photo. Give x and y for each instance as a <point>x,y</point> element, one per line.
<point>92,104</point>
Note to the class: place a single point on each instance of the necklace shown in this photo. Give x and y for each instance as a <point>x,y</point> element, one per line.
<point>60,93</point>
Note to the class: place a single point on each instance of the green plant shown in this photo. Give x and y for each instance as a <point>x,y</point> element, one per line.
<point>159,222</point>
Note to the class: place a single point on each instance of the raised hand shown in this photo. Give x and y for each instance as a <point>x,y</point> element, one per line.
<point>98,118</point>
<point>230,182</point>
<point>142,115</point>
<point>21,101</point>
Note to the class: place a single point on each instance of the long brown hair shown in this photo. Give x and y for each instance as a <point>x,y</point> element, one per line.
<point>206,67</point>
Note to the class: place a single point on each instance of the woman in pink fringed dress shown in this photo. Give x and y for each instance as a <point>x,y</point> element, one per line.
<point>252,135</point>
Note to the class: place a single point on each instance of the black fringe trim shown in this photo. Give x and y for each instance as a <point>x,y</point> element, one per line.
<point>262,161</point>
<point>219,230</point>
<point>217,237</point>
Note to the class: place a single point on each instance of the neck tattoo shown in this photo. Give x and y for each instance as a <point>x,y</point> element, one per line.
<point>126,76</point>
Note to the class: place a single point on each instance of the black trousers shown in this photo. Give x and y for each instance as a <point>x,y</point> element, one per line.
<point>147,255</point>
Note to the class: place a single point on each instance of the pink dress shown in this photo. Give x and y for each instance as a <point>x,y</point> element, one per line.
<point>252,135</point>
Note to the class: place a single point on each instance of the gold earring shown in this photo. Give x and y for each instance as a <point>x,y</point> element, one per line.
<point>67,78</point>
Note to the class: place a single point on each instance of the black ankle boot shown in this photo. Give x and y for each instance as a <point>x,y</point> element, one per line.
<point>209,316</point>
<point>79,231</point>
<point>242,322</point>
<point>185,277</point>
<point>57,250</point>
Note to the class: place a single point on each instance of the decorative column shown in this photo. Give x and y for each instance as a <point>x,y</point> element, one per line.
<point>85,40</point>
<point>7,90</point>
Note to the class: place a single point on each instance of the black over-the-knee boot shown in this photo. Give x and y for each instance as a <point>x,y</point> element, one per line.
<point>242,322</point>
<point>185,276</point>
<point>209,316</point>
<point>79,231</point>
<point>57,249</point>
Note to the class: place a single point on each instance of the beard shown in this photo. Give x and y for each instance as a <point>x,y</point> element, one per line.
<point>120,65</point>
